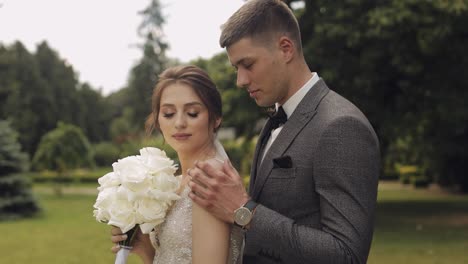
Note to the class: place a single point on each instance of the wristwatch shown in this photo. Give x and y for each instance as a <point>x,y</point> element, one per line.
<point>243,215</point>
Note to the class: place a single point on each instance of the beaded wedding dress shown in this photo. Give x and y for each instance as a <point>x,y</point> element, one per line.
<point>173,238</point>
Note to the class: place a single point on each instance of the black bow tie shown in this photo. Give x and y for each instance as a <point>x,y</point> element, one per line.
<point>278,118</point>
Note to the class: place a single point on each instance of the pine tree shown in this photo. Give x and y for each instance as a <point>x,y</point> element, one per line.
<point>16,199</point>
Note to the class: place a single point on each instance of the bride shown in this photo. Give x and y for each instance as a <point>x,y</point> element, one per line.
<point>186,109</point>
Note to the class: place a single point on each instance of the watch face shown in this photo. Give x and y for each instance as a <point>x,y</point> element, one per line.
<point>242,216</point>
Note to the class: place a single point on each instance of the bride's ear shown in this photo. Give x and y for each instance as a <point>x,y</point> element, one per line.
<point>217,123</point>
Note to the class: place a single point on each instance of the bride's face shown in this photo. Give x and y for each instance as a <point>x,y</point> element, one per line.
<point>184,120</point>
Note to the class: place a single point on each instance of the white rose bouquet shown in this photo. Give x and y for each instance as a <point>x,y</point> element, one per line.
<point>137,193</point>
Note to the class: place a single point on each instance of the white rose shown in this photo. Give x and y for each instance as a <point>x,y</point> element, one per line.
<point>150,151</point>
<point>151,213</point>
<point>123,193</point>
<point>108,180</point>
<point>122,215</point>
<point>150,210</point>
<point>132,173</point>
<point>156,161</point>
<point>164,187</point>
<point>165,182</point>
<point>104,200</point>
<point>167,197</point>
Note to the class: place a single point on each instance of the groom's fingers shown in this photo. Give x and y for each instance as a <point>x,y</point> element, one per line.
<point>209,170</point>
<point>229,170</point>
<point>200,177</point>
<point>198,200</point>
<point>198,190</point>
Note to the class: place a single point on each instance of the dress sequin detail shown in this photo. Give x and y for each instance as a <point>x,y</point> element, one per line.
<point>173,238</point>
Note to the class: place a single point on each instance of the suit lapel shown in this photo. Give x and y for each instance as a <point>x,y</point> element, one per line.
<point>258,150</point>
<point>304,112</point>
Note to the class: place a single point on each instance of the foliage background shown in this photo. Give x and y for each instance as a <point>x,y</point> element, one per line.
<point>402,62</point>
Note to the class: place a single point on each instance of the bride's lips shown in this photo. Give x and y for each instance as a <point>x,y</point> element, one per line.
<point>181,136</point>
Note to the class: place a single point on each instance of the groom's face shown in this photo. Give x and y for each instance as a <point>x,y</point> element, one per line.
<point>260,70</point>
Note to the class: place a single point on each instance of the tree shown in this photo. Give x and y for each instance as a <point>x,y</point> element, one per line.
<point>244,118</point>
<point>143,75</point>
<point>23,95</point>
<point>61,80</point>
<point>400,62</point>
<point>38,90</point>
<point>16,199</point>
<point>62,149</point>
<point>95,113</point>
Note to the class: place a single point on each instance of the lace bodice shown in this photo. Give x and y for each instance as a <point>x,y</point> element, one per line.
<point>173,238</point>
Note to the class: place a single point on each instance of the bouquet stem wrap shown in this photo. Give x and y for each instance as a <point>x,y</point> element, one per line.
<point>122,256</point>
<point>126,246</point>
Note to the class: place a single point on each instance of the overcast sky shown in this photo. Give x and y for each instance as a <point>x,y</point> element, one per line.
<point>97,37</point>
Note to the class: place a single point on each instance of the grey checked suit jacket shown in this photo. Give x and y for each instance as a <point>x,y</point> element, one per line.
<point>319,208</point>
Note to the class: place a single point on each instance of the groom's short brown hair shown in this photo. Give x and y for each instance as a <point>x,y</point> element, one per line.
<point>261,20</point>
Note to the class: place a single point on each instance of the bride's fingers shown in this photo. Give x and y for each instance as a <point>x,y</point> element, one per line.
<point>118,238</point>
<point>115,249</point>
<point>115,231</point>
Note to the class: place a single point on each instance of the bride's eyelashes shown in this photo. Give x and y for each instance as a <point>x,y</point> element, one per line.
<point>190,114</point>
<point>168,115</point>
<point>193,114</point>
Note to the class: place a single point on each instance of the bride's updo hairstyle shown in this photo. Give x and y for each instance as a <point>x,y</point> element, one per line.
<point>201,84</point>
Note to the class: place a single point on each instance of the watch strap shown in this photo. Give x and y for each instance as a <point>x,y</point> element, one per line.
<point>250,204</point>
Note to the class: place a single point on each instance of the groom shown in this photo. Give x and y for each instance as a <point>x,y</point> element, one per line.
<point>314,176</point>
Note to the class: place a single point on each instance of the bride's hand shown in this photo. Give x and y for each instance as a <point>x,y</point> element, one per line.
<point>116,237</point>
<point>141,244</point>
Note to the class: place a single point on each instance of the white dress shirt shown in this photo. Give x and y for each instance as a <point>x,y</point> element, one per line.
<point>289,106</point>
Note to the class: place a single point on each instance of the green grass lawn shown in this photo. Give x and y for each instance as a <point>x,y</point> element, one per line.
<point>65,232</point>
<point>413,226</point>
<point>420,226</point>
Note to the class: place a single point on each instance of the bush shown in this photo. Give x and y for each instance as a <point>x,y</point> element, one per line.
<point>105,153</point>
<point>65,147</point>
<point>405,172</point>
<point>241,152</point>
<point>414,175</point>
<point>419,181</point>
<point>75,176</point>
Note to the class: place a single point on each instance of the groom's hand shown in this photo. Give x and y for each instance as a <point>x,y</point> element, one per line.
<point>218,189</point>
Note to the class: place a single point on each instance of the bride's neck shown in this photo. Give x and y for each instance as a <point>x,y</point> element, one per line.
<point>187,159</point>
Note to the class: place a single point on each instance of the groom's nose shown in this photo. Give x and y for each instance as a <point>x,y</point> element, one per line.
<point>242,78</point>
